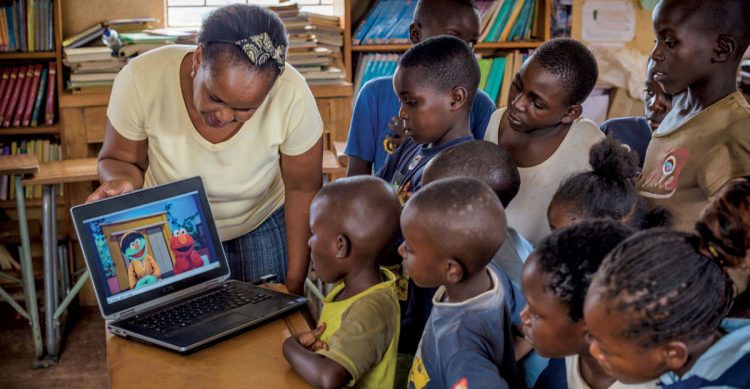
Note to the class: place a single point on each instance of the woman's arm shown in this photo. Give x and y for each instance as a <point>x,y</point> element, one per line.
<point>303,177</point>
<point>122,165</point>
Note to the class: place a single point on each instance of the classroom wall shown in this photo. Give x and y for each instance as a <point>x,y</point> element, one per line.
<point>644,35</point>
<point>78,15</point>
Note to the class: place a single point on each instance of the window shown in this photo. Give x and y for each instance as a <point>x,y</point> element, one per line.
<point>190,13</point>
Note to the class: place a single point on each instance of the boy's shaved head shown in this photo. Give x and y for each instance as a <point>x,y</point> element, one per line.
<point>572,63</point>
<point>446,62</point>
<point>465,218</point>
<point>459,18</point>
<point>426,10</point>
<point>485,161</point>
<point>730,17</point>
<point>364,208</point>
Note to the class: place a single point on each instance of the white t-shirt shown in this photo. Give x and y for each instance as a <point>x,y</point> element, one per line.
<point>527,212</point>
<point>575,380</point>
<point>241,175</point>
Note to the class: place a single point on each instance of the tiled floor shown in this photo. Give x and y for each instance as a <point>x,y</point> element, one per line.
<point>83,363</point>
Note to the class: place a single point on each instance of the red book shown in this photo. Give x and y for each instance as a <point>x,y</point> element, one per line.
<point>22,99</point>
<point>4,78</point>
<point>5,99</point>
<point>20,78</point>
<point>49,110</point>
<point>31,95</point>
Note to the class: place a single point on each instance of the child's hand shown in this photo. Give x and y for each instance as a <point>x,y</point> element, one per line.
<point>311,339</point>
<point>396,124</point>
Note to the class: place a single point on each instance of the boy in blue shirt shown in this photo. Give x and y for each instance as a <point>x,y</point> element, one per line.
<point>375,125</point>
<point>452,229</point>
<point>436,81</point>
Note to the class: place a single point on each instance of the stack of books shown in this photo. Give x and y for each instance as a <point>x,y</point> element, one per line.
<point>94,33</point>
<point>387,23</point>
<point>508,20</point>
<point>26,25</point>
<point>314,44</point>
<point>45,151</point>
<point>27,95</point>
<point>91,68</point>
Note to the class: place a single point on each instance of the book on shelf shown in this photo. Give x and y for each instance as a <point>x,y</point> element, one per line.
<point>79,77</point>
<point>21,88</point>
<point>508,20</point>
<point>5,97</point>
<point>23,99</point>
<point>387,23</point>
<point>14,96</point>
<point>497,74</point>
<point>45,150</point>
<point>95,32</point>
<point>26,25</point>
<point>49,110</point>
<point>39,97</point>
<point>82,54</point>
<point>315,43</point>
<point>373,65</point>
<point>134,49</point>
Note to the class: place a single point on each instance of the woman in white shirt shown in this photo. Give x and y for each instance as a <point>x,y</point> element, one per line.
<point>231,111</point>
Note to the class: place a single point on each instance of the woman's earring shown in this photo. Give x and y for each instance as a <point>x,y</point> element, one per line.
<point>192,73</point>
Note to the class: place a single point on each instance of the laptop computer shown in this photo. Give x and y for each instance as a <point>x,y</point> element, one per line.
<point>160,273</point>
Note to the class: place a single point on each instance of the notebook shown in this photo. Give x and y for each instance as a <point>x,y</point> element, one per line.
<point>160,273</point>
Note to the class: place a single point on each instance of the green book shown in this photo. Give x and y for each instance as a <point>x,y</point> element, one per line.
<point>140,37</point>
<point>502,18</point>
<point>36,114</point>
<point>484,69</point>
<point>497,72</point>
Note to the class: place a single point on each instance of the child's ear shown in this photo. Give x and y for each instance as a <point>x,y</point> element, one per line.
<point>725,49</point>
<point>454,271</point>
<point>676,355</point>
<point>459,96</point>
<point>415,33</point>
<point>343,246</point>
<point>573,113</point>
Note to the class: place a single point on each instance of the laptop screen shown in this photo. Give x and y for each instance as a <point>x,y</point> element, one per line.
<point>153,244</point>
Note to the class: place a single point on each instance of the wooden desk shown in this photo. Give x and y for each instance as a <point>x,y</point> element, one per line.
<point>56,264</point>
<point>16,166</point>
<point>251,359</point>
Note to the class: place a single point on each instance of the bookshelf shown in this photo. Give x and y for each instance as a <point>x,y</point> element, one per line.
<point>358,54</point>
<point>30,131</point>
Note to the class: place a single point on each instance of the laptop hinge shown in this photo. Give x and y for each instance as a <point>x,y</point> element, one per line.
<point>211,284</point>
<point>126,314</point>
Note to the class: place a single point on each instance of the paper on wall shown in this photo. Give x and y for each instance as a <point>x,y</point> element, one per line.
<point>608,21</point>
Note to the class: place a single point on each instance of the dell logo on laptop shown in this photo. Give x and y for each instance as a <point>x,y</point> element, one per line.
<point>168,289</point>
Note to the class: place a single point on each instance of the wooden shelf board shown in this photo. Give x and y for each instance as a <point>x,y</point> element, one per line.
<point>481,46</point>
<point>30,55</point>
<point>40,130</point>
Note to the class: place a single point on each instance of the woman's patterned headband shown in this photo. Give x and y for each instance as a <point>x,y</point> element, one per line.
<point>259,50</point>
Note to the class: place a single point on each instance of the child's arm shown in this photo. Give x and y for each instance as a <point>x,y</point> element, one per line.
<point>316,369</point>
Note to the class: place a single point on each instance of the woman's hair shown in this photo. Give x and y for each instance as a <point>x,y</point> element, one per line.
<point>608,190</point>
<point>571,256</point>
<point>667,287</point>
<point>225,27</point>
<point>724,225</point>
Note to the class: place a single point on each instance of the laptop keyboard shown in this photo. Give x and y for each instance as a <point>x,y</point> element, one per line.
<point>201,308</point>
